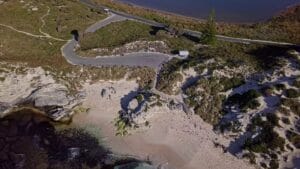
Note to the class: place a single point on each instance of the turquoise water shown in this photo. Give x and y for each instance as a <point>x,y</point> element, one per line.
<point>226,10</point>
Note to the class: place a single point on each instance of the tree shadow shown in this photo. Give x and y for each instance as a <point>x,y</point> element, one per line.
<point>192,38</point>
<point>154,30</point>
<point>127,98</point>
<point>270,56</point>
<point>34,141</point>
<point>75,34</point>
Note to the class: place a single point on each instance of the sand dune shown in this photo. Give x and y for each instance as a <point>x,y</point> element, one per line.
<point>173,140</point>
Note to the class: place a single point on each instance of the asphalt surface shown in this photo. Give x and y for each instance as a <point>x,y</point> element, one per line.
<point>186,31</point>
<point>152,60</point>
<point>136,59</point>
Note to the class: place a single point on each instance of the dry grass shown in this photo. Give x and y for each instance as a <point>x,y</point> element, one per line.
<point>115,35</point>
<point>64,16</point>
<point>16,47</point>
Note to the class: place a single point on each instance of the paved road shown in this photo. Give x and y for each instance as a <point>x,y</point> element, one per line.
<point>239,40</point>
<point>186,31</point>
<point>123,14</point>
<point>137,59</point>
<point>102,23</point>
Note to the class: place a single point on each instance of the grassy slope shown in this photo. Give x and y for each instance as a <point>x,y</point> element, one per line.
<point>16,47</point>
<point>116,34</point>
<point>67,15</point>
<point>120,33</point>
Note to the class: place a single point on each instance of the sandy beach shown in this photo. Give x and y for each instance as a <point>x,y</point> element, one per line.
<point>173,140</point>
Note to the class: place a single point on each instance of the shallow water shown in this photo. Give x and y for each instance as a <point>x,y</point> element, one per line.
<point>226,10</point>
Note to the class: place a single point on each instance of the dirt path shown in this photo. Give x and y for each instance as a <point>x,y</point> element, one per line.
<point>44,35</point>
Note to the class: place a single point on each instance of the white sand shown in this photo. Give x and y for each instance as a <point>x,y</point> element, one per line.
<point>173,140</point>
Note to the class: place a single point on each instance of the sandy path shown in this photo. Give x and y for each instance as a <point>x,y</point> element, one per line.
<point>173,140</point>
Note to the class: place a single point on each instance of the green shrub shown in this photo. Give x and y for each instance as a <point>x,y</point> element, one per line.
<point>121,127</point>
<point>263,165</point>
<point>269,90</point>
<point>210,106</point>
<point>296,83</point>
<point>231,83</point>
<point>267,139</point>
<point>293,105</point>
<point>280,86</point>
<point>294,138</point>
<point>292,93</point>
<point>286,120</point>
<point>273,119</point>
<point>253,104</point>
<point>251,156</point>
<point>246,100</point>
<point>274,156</point>
<point>274,164</point>
<point>284,111</point>
<point>147,123</point>
<point>140,98</point>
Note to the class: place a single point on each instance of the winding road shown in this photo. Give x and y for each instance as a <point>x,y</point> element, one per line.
<point>136,59</point>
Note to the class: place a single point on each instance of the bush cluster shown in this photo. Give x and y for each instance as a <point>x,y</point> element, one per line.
<point>267,139</point>
<point>246,100</point>
<point>230,83</point>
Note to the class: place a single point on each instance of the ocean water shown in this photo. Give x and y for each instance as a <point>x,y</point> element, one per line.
<point>245,11</point>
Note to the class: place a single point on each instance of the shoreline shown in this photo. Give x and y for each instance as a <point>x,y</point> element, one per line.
<point>173,14</point>
<point>193,18</point>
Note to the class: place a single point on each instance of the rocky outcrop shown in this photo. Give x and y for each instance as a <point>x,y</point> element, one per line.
<point>138,110</point>
<point>137,46</point>
<point>52,99</point>
<point>36,89</point>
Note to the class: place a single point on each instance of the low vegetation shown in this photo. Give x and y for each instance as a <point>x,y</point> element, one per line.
<point>230,83</point>
<point>144,77</point>
<point>169,76</point>
<point>292,93</point>
<point>121,127</point>
<point>120,33</point>
<point>266,139</point>
<point>64,16</point>
<point>206,99</point>
<point>245,101</point>
<point>115,35</point>
<point>292,104</point>
<point>294,138</point>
